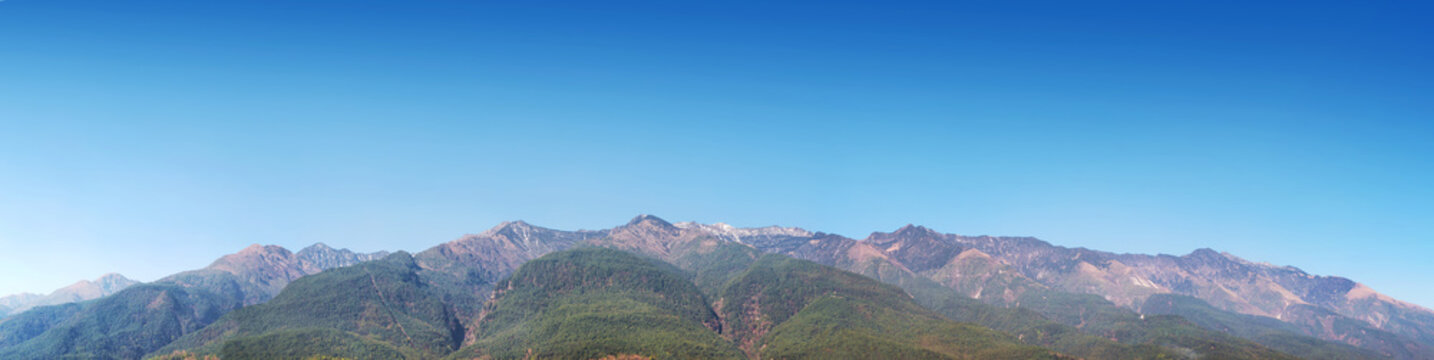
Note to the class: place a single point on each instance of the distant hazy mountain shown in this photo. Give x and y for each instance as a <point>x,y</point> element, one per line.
<point>9,303</point>
<point>715,291</point>
<point>80,291</point>
<point>145,317</point>
<point>260,272</point>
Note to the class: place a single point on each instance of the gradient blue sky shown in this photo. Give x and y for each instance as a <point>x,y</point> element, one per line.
<point>148,137</point>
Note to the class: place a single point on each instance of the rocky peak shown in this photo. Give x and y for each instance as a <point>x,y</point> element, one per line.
<point>112,282</point>
<point>649,235</point>
<point>319,257</point>
<point>318,246</point>
<point>1219,268</point>
<point>510,228</point>
<point>1203,253</point>
<point>915,230</point>
<point>260,250</point>
<point>268,268</point>
<point>255,258</point>
<point>649,227</point>
<point>91,289</point>
<point>529,237</point>
<point>904,234</point>
<point>649,221</point>
<point>918,247</point>
<point>1210,257</point>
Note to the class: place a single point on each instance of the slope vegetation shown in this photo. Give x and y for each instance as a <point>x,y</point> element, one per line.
<point>374,310</point>
<point>143,318</point>
<point>787,308</point>
<point>592,302</point>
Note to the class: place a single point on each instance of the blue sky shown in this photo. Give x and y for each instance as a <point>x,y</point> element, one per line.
<point>148,137</point>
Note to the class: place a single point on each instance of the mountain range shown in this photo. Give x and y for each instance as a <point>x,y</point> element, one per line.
<point>654,289</point>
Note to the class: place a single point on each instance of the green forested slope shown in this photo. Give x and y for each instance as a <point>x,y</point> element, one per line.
<point>125,325</point>
<point>373,310</point>
<point>787,308</point>
<point>593,302</point>
<point>1270,332</point>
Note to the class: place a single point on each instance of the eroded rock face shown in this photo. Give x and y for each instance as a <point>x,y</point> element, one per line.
<point>319,257</point>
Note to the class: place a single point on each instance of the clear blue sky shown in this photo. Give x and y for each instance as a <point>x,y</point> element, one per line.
<point>147,137</point>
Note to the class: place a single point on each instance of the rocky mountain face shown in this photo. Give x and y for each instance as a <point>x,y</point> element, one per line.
<point>319,257</point>
<point>261,271</point>
<point>79,291</point>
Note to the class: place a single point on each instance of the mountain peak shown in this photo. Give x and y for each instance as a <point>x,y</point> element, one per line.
<point>650,220</point>
<point>320,249</point>
<point>646,229</point>
<point>919,248</point>
<point>520,231</point>
<point>251,257</point>
<point>514,223</point>
<point>111,276</point>
<point>1204,253</point>
<point>908,232</point>
<point>256,249</point>
<point>912,229</point>
<point>110,283</point>
<point>514,226</point>
<point>112,279</point>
